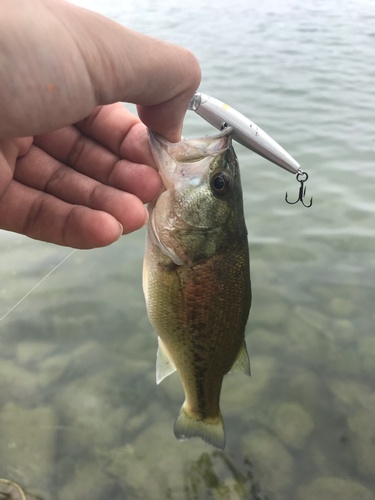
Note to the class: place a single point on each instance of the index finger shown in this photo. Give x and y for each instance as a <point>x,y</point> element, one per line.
<point>116,128</point>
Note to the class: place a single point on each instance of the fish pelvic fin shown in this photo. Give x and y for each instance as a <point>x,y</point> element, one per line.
<point>242,362</point>
<point>210,430</point>
<point>164,364</point>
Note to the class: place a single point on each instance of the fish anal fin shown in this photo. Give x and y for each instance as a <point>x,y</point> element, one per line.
<point>164,364</point>
<point>242,362</point>
<point>210,430</point>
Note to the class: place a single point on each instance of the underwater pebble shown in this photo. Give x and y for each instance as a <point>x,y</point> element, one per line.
<point>366,349</point>
<point>90,418</point>
<point>324,293</point>
<point>330,452</point>
<point>33,352</point>
<point>230,489</point>
<point>316,319</point>
<point>342,307</point>
<point>343,330</point>
<point>27,445</point>
<point>89,357</point>
<point>90,483</point>
<point>263,340</point>
<point>155,462</point>
<point>304,387</point>
<point>269,314</point>
<point>68,327</point>
<point>17,383</point>
<point>362,437</point>
<point>241,394</point>
<point>321,460</point>
<point>292,424</point>
<point>172,386</point>
<point>344,361</point>
<point>141,342</point>
<point>134,424</point>
<point>65,469</point>
<point>304,340</point>
<point>137,367</point>
<point>273,464</point>
<point>333,488</point>
<point>352,394</point>
<point>52,368</point>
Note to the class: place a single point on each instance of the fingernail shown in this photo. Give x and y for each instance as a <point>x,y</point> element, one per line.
<point>146,219</point>
<point>121,231</point>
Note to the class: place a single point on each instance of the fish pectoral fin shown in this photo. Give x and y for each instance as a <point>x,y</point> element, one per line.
<point>164,364</point>
<point>210,430</point>
<point>242,362</point>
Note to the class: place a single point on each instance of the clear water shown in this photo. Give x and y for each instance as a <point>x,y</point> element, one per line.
<point>80,414</point>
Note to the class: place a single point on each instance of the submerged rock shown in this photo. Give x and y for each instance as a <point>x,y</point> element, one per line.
<point>340,307</point>
<point>241,394</point>
<point>154,463</point>
<point>270,314</point>
<point>366,348</point>
<point>264,340</point>
<point>333,488</point>
<point>292,424</point>
<point>52,368</point>
<point>156,466</point>
<point>362,436</point>
<point>32,352</point>
<point>27,445</point>
<point>305,387</point>
<point>90,483</point>
<point>343,330</point>
<point>91,420</point>
<point>307,347</point>
<point>230,489</point>
<point>352,395</point>
<point>273,464</point>
<point>17,383</point>
<point>10,490</point>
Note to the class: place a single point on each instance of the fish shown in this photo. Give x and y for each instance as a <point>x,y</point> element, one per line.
<point>196,275</point>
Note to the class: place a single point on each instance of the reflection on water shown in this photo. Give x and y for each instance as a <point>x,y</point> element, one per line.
<point>81,417</point>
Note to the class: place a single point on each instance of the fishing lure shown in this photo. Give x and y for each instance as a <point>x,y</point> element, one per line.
<point>248,134</point>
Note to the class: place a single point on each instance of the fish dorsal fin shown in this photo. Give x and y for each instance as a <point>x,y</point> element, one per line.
<point>242,362</point>
<point>164,365</point>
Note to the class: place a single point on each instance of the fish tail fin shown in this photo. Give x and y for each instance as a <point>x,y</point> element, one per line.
<point>210,430</point>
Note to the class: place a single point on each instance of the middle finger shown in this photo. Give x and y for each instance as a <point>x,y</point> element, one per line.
<point>39,171</point>
<point>71,147</point>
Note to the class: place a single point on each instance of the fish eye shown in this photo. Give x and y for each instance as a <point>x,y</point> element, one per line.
<point>220,183</point>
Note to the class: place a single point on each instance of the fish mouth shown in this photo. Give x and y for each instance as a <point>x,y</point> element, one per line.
<point>189,158</point>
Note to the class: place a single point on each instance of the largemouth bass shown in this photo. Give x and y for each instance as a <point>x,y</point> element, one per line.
<point>196,276</point>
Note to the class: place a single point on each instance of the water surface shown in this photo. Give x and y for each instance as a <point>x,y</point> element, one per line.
<point>81,416</point>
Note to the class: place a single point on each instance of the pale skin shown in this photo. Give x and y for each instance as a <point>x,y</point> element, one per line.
<point>75,165</point>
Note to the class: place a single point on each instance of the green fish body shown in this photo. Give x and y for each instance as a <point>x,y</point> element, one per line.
<point>196,276</point>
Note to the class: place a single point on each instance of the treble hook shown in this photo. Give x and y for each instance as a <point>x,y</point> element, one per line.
<point>301,178</point>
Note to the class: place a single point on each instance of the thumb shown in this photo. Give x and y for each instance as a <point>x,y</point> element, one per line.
<point>73,60</point>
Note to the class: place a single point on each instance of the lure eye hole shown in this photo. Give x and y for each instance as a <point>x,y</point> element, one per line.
<point>220,184</point>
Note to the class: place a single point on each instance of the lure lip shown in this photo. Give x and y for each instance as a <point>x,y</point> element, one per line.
<point>245,131</point>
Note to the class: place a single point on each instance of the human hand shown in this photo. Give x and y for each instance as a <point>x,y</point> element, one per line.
<point>71,169</point>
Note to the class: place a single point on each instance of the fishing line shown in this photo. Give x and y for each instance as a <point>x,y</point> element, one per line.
<point>41,281</point>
